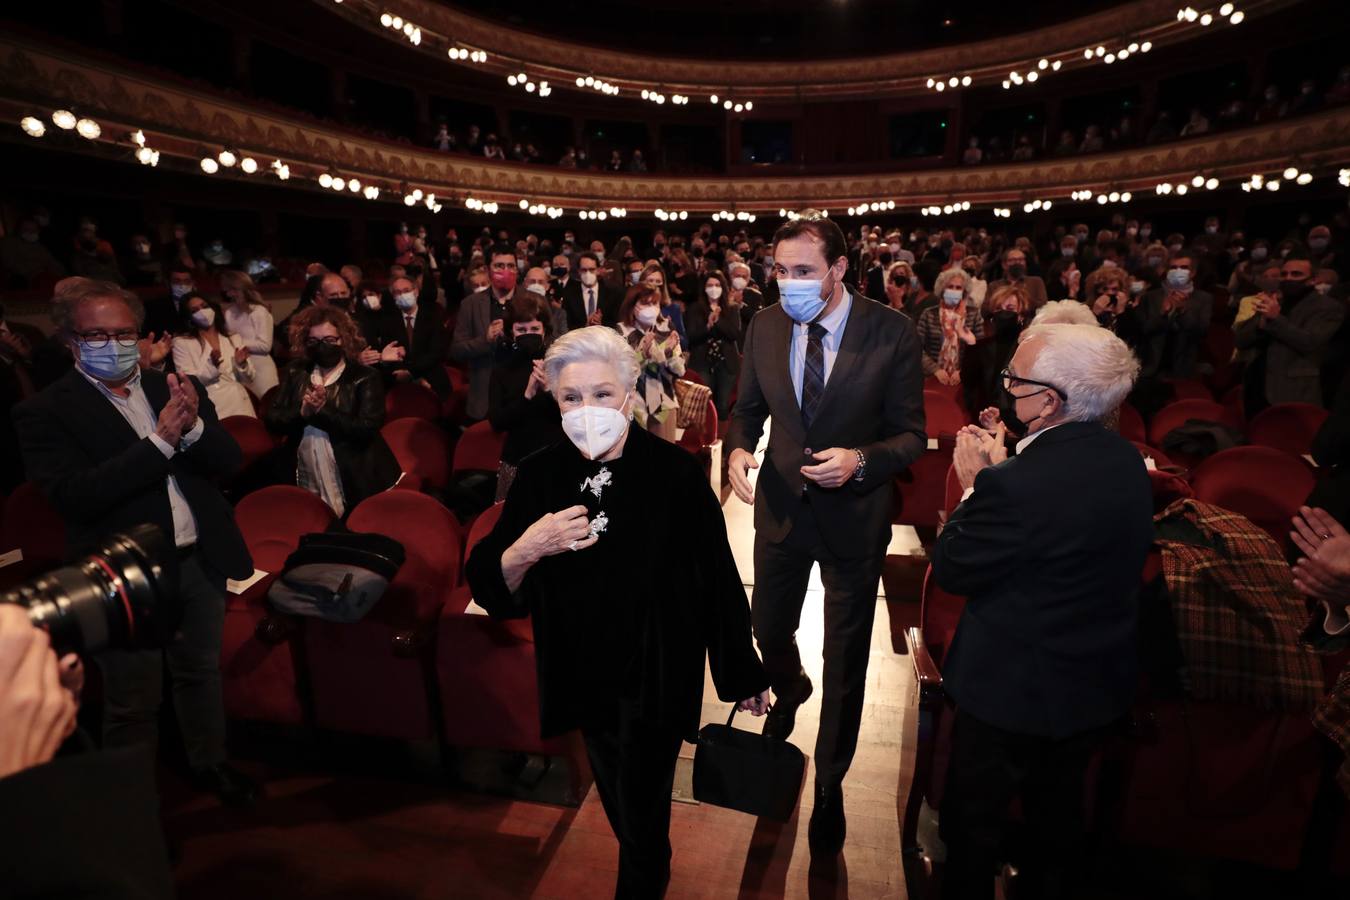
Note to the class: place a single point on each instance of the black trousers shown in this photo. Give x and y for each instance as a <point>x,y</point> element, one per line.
<point>782,572</point>
<point>633,762</point>
<point>133,679</point>
<point>988,767</point>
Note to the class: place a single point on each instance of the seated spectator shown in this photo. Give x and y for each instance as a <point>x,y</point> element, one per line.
<point>615,163</point>
<point>24,258</point>
<point>248,318</point>
<point>1266,285</point>
<point>1110,295</point>
<point>473,140</point>
<point>1015,549</point>
<point>330,409</point>
<point>444,141</point>
<point>1124,134</point>
<point>1319,247</point>
<point>660,359</point>
<point>403,245</point>
<point>637,163</point>
<point>1272,107</point>
<point>976,286</point>
<point>1015,272</point>
<point>144,268</point>
<point>1024,150</point>
<point>1007,313</point>
<point>1289,334</point>
<point>94,257</point>
<point>654,277</point>
<point>902,286</point>
<point>973,155</point>
<point>946,331</point>
<point>1233,114</point>
<point>531,153</point>
<point>520,403</point>
<point>1196,125</point>
<point>1092,140</point>
<point>1326,280</point>
<point>1065,279</point>
<point>714,323</point>
<point>492,149</point>
<point>419,331</point>
<point>219,360</point>
<point>569,159</point>
<point>583,159</point>
<point>1176,319</point>
<point>1308,99</point>
<point>518,153</point>
<point>1067,145</point>
<point>1163,129</point>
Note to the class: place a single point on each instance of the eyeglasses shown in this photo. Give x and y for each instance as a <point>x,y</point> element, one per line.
<point>1009,379</point>
<point>1294,274</point>
<point>97,340</point>
<point>330,341</point>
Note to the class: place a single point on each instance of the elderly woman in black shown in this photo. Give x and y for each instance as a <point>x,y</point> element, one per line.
<point>620,642</point>
<point>330,409</point>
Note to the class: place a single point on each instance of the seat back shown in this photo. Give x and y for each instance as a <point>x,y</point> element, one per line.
<point>251,435</point>
<point>32,525</point>
<point>273,518</point>
<point>939,613</point>
<point>1174,415</point>
<point>1132,425</point>
<point>421,449</point>
<point>1160,459</point>
<point>953,491</point>
<point>411,401</point>
<point>482,526</point>
<point>431,541</point>
<point>944,414</point>
<point>1290,427</point>
<point>479,449</point>
<point>1265,485</point>
<point>1190,389</point>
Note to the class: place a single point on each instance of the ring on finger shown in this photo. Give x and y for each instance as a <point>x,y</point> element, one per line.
<point>1326,536</point>
<point>572,546</point>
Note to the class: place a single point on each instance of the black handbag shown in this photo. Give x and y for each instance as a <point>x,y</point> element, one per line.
<point>748,772</point>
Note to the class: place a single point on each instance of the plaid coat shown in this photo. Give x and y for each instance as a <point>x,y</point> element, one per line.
<point>1332,718</point>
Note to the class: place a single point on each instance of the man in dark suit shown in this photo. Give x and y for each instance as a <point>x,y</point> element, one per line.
<point>588,300</point>
<point>113,446</point>
<point>1048,548</point>
<point>420,332</point>
<point>1176,321</point>
<point>479,328</point>
<point>840,376</point>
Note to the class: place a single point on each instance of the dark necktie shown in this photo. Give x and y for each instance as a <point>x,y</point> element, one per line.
<point>590,302</point>
<point>408,322</point>
<point>813,373</point>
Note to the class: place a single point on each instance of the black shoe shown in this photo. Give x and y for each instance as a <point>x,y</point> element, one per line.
<point>233,787</point>
<point>782,718</point>
<point>826,831</point>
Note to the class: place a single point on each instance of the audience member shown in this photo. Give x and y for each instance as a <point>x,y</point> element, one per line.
<point>587,301</point>
<point>25,259</point>
<point>1176,319</point>
<point>660,359</point>
<point>249,318</point>
<point>520,403</point>
<point>946,331</point>
<point>714,323</point>
<point>94,257</point>
<point>479,328</point>
<point>420,332</point>
<point>207,351</point>
<point>1015,273</point>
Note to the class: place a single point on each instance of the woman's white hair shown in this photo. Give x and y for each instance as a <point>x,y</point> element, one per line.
<point>1064,312</point>
<point>1094,368</point>
<point>940,284</point>
<point>597,343</point>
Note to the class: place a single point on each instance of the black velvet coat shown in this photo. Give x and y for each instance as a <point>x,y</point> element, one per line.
<point>629,618</point>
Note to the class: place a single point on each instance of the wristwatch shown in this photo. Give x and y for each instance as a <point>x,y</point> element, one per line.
<point>861,472</point>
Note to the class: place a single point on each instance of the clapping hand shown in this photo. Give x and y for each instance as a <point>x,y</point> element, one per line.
<point>1324,571</point>
<point>538,380</point>
<point>369,357</point>
<point>595,318</point>
<point>38,694</point>
<point>977,450</point>
<point>154,352</point>
<point>17,344</point>
<point>1268,306</point>
<point>216,358</point>
<point>314,398</point>
<point>392,352</point>
<point>495,330</point>
<point>180,414</point>
<point>240,356</point>
<point>990,418</point>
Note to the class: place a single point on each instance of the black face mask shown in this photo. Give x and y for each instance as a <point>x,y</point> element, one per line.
<point>559,271</point>
<point>324,356</point>
<point>1292,290</point>
<point>1017,271</point>
<point>1007,411</point>
<point>529,346</point>
<point>1007,325</point>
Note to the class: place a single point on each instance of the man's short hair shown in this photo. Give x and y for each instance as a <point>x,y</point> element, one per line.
<point>179,268</point>
<point>72,293</point>
<point>812,223</point>
<point>591,256</point>
<point>1095,369</point>
<point>502,249</point>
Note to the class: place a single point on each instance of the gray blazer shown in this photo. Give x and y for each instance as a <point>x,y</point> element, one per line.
<point>471,345</point>
<point>1295,345</point>
<point>873,402</point>
<point>1170,345</point>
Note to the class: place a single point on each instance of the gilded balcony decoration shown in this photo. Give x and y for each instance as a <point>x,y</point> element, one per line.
<point>181,123</point>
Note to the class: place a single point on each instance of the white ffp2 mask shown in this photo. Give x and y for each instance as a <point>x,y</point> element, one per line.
<point>594,429</point>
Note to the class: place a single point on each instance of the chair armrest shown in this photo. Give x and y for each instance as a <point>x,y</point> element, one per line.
<point>926,673</point>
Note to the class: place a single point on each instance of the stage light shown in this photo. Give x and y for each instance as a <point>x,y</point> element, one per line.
<point>209,165</point>
<point>33,127</point>
<point>63,119</point>
<point>248,165</point>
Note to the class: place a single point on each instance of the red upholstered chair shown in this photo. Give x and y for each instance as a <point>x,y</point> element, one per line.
<point>1132,425</point>
<point>1265,485</point>
<point>266,402</point>
<point>421,449</point>
<point>1174,415</point>
<point>1290,427</point>
<point>489,687</point>
<point>1190,389</point>
<point>479,449</point>
<point>1233,401</point>
<point>1218,352</point>
<point>252,437</point>
<point>922,486</point>
<point>411,401</point>
<point>374,676</point>
<point>30,524</point>
<point>260,667</point>
<point>1159,458</point>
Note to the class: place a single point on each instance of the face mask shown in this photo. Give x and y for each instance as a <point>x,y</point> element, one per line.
<point>1291,290</point>
<point>536,289</point>
<point>559,271</point>
<point>647,315</point>
<point>595,430</point>
<point>589,278</point>
<point>894,248</point>
<point>1284,251</point>
<point>1260,253</point>
<point>405,301</point>
<point>1155,260</point>
<point>1178,279</point>
<point>634,276</point>
<point>739,283</point>
<point>325,356</point>
<point>714,292</point>
<point>1016,271</point>
<point>372,302</point>
<point>1066,252</point>
<point>1006,325</point>
<point>504,279</point>
<point>180,291</point>
<point>1211,229</point>
<point>600,255</point>
<point>530,346</point>
<point>1137,287</point>
<point>1081,235</point>
<point>1322,288</point>
<point>952,296</point>
<point>801,298</point>
<point>204,318</point>
<point>521,264</point>
<point>768,261</point>
<point>111,362</point>
<point>1317,243</point>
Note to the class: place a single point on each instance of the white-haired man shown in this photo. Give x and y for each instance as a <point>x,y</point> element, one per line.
<point>1047,547</point>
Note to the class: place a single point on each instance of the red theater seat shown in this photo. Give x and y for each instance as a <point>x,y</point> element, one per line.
<point>1132,425</point>
<point>1190,389</point>
<point>1290,427</point>
<point>479,449</point>
<point>921,488</point>
<point>372,676</point>
<point>421,449</point>
<point>252,437</point>
<point>1174,415</point>
<point>411,401</point>
<point>30,524</point>
<point>259,665</point>
<point>1265,485</point>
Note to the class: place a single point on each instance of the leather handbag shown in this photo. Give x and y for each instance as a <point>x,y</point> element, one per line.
<point>748,772</point>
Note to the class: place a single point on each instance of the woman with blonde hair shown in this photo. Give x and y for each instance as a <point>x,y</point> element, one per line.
<point>901,287</point>
<point>947,329</point>
<point>248,318</point>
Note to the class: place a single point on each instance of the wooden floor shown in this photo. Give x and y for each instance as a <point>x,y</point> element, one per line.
<point>370,833</point>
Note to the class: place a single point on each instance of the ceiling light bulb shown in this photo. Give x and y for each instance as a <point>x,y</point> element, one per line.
<point>1197,181</point>
<point>64,119</point>
<point>1087,54</point>
<point>953,81</point>
<point>1114,196</point>
<point>396,22</point>
<point>1125,197</point>
<point>965,82</point>
<point>1304,178</point>
<point>1109,58</point>
<point>339,184</point>
<point>1237,17</point>
<point>726,104</point>
<point>138,138</point>
<point>1043,64</point>
<point>1006,84</point>
<point>1273,184</point>
<point>1181,190</point>
<point>33,127</point>
<point>249,165</point>
<point>749,105</point>
<point>210,166</point>
<point>1134,47</point>
<point>1100,51</point>
<point>941,85</point>
<point>409,201</point>
<point>1206,19</point>
<point>1211,183</point>
<point>1056,65</point>
<point>386,20</point>
<point>1033,75</point>
<point>325,180</point>
<point>354,186</point>
<point>1291,173</point>
<point>226,158</point>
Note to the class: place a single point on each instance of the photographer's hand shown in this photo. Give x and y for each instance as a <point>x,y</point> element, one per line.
<point>38,712</point>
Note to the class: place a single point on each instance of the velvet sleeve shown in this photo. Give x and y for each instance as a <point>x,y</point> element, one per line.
<point>483,571</point>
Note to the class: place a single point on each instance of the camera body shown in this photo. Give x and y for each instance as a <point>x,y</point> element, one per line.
<point>116,597</point>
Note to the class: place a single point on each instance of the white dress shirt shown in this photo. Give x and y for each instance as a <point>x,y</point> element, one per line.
<point>140,415</point>
<point>834,325</point>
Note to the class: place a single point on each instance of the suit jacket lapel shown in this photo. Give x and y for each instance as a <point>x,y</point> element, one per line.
<point>89,405</point>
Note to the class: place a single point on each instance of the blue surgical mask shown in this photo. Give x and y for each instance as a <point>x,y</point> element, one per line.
<point>180,291</point>
<point>952,296</point>
<point>801,298</point>
<point>111,362</point>
<point>1178,279</point>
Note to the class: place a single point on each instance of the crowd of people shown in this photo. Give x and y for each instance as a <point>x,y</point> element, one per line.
<point>577,350</point>
<point>1129,129</point>
<point>472,141</point>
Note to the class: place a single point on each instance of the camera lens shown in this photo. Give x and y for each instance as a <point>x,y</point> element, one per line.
<point>114,597</point>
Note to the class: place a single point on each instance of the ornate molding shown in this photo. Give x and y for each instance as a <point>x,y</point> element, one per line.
<point>182,123</point>
<point>897,74</point>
